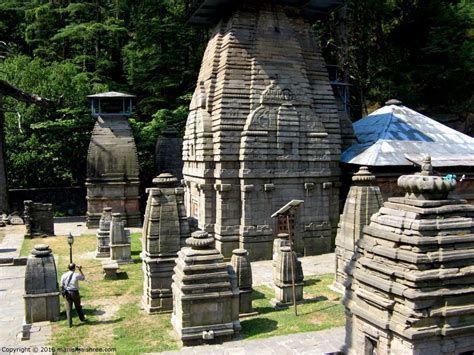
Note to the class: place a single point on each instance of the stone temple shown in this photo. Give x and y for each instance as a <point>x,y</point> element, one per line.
<point>263,128</point>
<point>412,289</point>
<point>112,161</point>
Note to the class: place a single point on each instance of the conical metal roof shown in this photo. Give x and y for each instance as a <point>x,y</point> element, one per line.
<point>397,135</point>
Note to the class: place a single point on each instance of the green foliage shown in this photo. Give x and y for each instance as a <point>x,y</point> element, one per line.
<point>420,52</point>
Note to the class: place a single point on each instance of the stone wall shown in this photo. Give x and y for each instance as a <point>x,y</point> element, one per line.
<point>69,201</point>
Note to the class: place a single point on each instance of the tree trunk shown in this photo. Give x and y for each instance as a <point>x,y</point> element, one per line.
<point>4,203</point>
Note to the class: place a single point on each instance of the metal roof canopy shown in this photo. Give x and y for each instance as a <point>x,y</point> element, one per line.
<point>395,135</point>
<point>209,12</point>
<point>111,95</point>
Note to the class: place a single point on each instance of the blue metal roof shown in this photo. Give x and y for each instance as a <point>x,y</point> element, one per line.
<point>397,135</point>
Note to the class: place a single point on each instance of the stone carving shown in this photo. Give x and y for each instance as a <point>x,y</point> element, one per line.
<point>363,200</point>
<point>120,246</point>
<point>283,278</point>
<point>205,294</point>
<point>41,286</point>
<point>39,219</point>
<point>263,124</point>
<point>243,270</point>
<point>165,230</point>
<point>103,234</point>
<point>412,290</point>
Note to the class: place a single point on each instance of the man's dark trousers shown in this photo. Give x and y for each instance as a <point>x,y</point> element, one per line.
<point>73,297</point>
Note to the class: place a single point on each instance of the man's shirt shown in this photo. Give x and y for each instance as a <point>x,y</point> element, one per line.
<point>73,285</point>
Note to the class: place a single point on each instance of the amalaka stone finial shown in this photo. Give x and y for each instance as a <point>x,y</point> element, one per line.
<point>393,102</point>
<point>41,250</point>
<point>166,180</point>
<point>424,185</point>
<point>363,176</point>
<point>199,240</point>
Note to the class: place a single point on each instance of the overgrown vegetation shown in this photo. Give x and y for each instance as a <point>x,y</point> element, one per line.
<point>418,51</point>
<point>116,320</point>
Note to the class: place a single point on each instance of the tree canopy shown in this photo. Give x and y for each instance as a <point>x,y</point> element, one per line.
<point>419,51</point>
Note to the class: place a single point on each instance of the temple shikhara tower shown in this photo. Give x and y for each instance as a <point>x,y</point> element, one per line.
<point>263,128</point>
<point>112,161</point>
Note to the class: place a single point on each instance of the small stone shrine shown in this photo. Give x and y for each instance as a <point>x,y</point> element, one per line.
<point>165,230</point>
<point>103,234</point>
<point>282,240</point>
<point>39,219</point>
<point>263,127</point>
<point>412,290</point>
<point>112,161</point>
<point>120,246</point>
<point>363,200</point>
<point>243,269</point>
<point>169,154</point>
<point>41,286</point>
<point>283,278</point>
<point>205,302</point>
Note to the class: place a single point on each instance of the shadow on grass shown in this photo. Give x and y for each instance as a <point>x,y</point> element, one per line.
<point>136,252</point>
<point>122,275</point>
<point>315,299</point>
<point>257,295</point>
<point>311,282</point>
<point>90,312</point>
<point>256,326</point>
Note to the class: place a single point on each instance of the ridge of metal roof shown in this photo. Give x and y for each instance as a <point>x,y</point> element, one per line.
<point>111,94</point>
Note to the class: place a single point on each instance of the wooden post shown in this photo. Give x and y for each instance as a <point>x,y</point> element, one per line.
<point>292,262</point>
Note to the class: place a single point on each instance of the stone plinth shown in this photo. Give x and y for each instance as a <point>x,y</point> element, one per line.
<point>412,290</point>
<point>363,200</point>
<point>103,234</point>
<point>243,270</point>
<point>120,246</point>
<point>263,129</point>
<point>205,301</point>
<point>112,171</point>
<point>169,154</point>
<point>165,230</point>
<point>283,278</point>
<point>41,286</point>
<point>39,219</point>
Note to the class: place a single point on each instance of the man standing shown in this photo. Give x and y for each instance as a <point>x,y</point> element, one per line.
<point>70,284</point>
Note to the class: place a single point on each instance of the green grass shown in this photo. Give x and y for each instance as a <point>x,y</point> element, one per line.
<point>116,320</point>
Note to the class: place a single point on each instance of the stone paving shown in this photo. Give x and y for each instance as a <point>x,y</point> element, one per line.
<point>12,308</point>
<point>322,342</point>
<point>12,313</point>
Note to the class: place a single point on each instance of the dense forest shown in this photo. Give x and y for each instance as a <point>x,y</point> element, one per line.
<point>419,51</point>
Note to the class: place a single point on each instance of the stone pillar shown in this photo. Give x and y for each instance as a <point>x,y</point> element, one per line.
<point>41,286</point>
<point>39,219</point>
<point>283,278</point>
<point>164,227</point>
<point>363,200</point>
<point>120,246</point>
<point>412,289</point>
<point>204,299</point>
<point>103,234</point>
<point>282,240</point>
<point>243,270</point>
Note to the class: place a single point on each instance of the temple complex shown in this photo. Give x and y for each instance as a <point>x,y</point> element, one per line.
<point>412,289</point>
<point>263,128</point>
<point>112,161</point>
